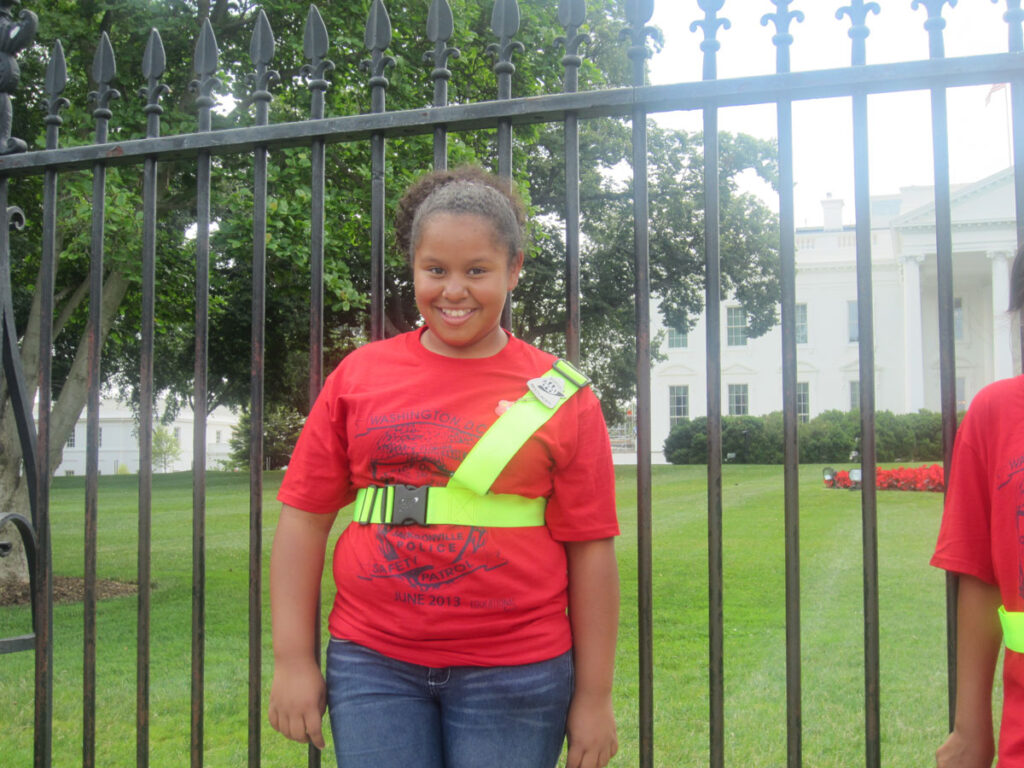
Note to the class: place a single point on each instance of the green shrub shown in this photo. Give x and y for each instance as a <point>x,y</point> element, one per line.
<point>830,437</point>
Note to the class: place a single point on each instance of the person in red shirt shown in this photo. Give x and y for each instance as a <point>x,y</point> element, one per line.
<point>471,641</point>
<point>982,539</point>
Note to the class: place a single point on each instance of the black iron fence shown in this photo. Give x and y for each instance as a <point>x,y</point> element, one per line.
<point>570,106</point>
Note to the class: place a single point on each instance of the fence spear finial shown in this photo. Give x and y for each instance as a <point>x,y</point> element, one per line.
<point>154,62</point>
<point>782,39</point>
<point>1014,17</point>
<point>205,66</point>
<point>104,70</point>
<point>858,11</point>
<point>935,24</point>
<point>440,28</point>
<point>710,44</point>
<point>315,45</point>
<point>571,15</point>
<point>377,38</point>
<point>505,24</point>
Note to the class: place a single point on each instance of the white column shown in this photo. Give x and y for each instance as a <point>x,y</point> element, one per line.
<point>913,344</point>
<point>1002,352</point>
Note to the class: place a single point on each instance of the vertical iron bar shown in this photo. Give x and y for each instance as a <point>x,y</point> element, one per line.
<point>505,24</point>
<point>713,301</point>
<point>262,53</point>
<point>866,354</point>
<point>153,67</point>
<point>316,45</point>
<point>56,80</point>
<point>869,508</point>
<point>791,472</point>
<point>572,15</point>
<point>944,287</point>
<point>440,26</point>
<point>638,14</point>
<point>103,73</point>
<point>205,66</point>
<point>377,39</point>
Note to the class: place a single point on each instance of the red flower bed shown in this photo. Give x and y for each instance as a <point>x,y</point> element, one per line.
<point>899,479</point>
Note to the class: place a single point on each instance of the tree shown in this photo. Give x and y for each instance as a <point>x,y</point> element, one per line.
<point>609,349</point>
<point>166,449</point>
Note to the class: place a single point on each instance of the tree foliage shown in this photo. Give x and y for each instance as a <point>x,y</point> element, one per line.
<point>675,172</point>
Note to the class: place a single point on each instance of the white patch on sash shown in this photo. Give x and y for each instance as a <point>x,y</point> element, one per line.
<point>548,390</point>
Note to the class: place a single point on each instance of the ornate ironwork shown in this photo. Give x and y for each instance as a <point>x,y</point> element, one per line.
<point>858,11</point>
<point>934,24</point>
<point>782,39</point>
<point>104,69</point>
<point>377,39</point>
<point>440,27</point>
<point>14,36</point>
<point>315,44</point>
<point>261,52</point>
<point>56,82</point>
<point>205,67</point>
<point>505,24</point>
<point>571,15</point>
<point>710,24</point>
<point>154,63</point>
<point>1014,18</point>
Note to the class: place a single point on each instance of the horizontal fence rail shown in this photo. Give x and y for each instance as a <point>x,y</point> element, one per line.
<point>506,113</point>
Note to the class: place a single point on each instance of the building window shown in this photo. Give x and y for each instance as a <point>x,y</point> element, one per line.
<point>738,400</point>
<point>99,436</point>
<point>177,435</point>
<point>736,327</point>
<point>677,338</point>
<point>678,404</point>
<point>958,319</point>
<point>803,401</point>
<point>71,439</point>
<point>852,324</point>
<point>218,436</point>
<point>801,323</point>
<point>854,395</point>
<point>961,393</point>
<point>69,473</point>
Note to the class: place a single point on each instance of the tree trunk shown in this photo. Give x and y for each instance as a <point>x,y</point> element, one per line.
<point>63,417</point>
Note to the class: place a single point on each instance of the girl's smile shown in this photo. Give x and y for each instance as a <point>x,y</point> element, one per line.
<point>462,275</point>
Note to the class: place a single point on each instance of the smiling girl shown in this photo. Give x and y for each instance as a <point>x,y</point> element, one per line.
<point>476,610</point>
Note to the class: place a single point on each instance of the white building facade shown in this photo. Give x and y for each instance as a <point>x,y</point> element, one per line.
<point>119,441</point>
<point>905,315</point>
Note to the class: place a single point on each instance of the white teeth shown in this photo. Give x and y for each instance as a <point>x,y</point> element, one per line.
<point>455,312</point>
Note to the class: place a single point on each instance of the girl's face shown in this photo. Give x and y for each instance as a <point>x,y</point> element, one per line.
<point>461,275</point>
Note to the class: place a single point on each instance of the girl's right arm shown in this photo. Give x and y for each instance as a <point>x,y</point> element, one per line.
<point>979,635</point>
<point>298,695</point>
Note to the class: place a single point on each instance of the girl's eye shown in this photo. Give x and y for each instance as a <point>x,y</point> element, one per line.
<point>477,271</point>
<point>435,270</point>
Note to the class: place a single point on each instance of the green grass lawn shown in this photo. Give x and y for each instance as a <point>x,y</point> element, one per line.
<point>912,626</point>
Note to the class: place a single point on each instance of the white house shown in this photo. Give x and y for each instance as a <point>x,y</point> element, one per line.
<point>119,441</point>
<point>905,315</point>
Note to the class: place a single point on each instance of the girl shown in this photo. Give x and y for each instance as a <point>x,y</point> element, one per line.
<point>477,605</point>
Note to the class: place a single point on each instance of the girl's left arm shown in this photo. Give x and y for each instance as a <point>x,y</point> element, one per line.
<point>594,615</point>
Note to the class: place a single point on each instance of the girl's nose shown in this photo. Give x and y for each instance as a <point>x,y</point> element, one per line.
<point>454,288</point>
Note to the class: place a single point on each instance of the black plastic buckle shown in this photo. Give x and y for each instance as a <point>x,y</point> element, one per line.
<point>410,505</point>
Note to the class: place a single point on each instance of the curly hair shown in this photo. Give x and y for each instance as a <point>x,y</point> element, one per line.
<point>468,189</point>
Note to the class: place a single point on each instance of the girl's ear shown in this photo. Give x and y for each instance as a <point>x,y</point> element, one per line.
<point>514,269</point>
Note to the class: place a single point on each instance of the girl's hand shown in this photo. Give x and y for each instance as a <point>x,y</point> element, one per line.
<point>591,731</point>
<point>958,751</point>
<point>298,700</point>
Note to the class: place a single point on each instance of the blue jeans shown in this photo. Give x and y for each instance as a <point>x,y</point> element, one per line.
<point>392,714</point>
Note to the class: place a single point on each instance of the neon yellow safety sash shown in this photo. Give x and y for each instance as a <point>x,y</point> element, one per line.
<point>1013,629</point>
<point>465,500</point>
<point>496,447</point>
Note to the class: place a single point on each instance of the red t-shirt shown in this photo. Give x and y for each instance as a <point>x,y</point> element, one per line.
<point>982,532</point>
<point>443,595</point>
